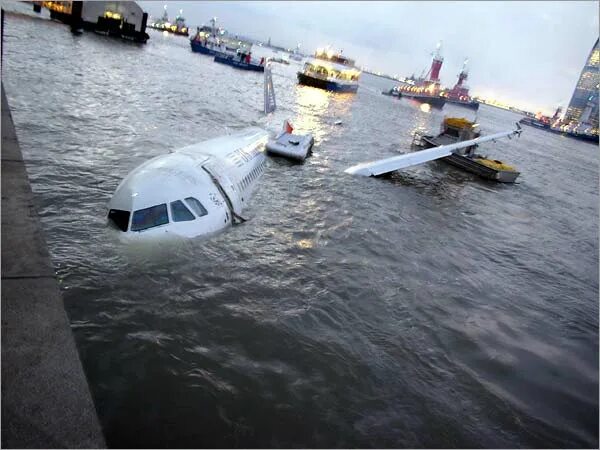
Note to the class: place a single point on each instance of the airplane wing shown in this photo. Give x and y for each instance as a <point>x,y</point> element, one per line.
<point>382,166</point>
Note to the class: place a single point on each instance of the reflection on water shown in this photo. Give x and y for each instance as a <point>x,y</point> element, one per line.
<point>312,103</point>
<point>432,310</point>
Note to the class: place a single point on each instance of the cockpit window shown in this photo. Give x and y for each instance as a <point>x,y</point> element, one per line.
<point>120,218</point>
<point>180,213</point>
<point>149,217</point>
<point>196,206</point>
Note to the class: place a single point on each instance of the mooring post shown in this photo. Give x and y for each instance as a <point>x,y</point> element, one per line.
<point>144,23</point>
<point>76,10</point>
<point>2,38</point>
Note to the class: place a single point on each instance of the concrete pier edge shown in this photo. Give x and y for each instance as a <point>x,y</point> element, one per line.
<point>46,401</point>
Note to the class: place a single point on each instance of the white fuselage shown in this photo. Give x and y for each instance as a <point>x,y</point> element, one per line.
<point>197,190</point>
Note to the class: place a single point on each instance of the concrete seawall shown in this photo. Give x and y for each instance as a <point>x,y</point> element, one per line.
<point>46,402</point>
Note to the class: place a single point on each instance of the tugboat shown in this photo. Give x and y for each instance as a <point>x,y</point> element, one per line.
<point>459,129</point>
<point>330,71</point>
<point>459,94</point>
<point>423,89</point>
<point>163,24</point>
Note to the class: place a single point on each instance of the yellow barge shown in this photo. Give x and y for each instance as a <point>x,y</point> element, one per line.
<point>458,129</point>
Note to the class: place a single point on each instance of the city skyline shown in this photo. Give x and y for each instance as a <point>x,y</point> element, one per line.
<point>584,102</point>
<point>534,66</point>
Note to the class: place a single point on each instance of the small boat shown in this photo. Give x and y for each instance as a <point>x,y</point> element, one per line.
<point>331,72</point>
<point>472,104</point>
<point>455,130</point>
<point>292,146</point>
<point>533,122</point>
<point>239,62</point>
<point>433,100</point>
<point>204,47</point>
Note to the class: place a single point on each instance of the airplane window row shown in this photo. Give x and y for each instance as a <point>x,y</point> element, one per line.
<point>157,215</point>
<point>254,173</point>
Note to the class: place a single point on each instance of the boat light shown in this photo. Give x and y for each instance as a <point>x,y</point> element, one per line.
<point>112,15</point>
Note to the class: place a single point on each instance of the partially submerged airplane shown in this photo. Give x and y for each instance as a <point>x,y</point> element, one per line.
<point>198,190</point>
<point>388,165</point>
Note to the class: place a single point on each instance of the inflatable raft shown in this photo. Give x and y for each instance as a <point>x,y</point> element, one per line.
<point>292,146</point>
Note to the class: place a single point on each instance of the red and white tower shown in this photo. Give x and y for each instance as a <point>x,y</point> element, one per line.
<point>436,64</point>
<point>460,90</point>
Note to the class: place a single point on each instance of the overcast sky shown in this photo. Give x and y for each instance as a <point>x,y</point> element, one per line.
<point>527,53</point>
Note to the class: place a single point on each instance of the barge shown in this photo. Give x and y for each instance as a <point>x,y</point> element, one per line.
<point>471,104</point>
<point>455,130</point>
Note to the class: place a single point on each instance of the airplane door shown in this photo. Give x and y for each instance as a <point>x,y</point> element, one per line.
<point>228,189</point>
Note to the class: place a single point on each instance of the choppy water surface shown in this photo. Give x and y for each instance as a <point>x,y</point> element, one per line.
<point>430,309</point>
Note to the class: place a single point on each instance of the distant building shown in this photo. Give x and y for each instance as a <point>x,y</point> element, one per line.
<point>583,107</point>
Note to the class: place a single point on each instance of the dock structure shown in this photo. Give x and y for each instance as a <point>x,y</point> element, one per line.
<point>46,401</point>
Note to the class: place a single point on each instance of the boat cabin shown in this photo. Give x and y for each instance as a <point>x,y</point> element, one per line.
<point>337,58</point>
<point>324,70</point>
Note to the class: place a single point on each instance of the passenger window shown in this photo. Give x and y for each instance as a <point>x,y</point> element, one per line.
<point>149,217</point>
<point>180,213</point>
<point>196,206</point>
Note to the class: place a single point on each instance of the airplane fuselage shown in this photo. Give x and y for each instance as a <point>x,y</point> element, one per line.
<point>198,190</point>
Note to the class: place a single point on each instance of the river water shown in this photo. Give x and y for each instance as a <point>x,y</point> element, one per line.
<point>431,309</point>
